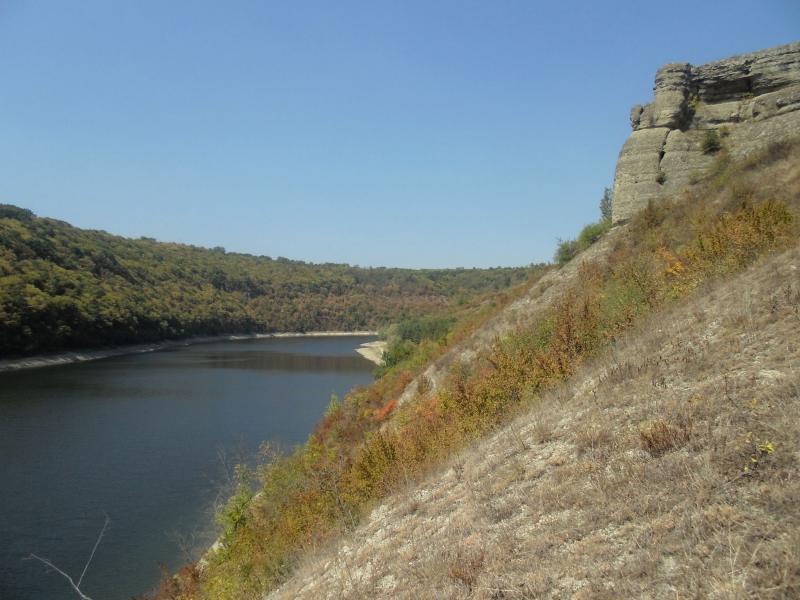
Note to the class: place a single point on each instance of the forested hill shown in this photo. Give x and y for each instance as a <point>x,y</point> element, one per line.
<point>64,288</point>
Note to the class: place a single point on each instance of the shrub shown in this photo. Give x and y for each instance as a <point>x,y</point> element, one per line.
<point>659,437</point>
<point>737,237</point>
<point>466,566</point>
<point>711,143</point>
<point>233,514</point>
<point>374,469</point>
<point>424,328</point>
<point>386,410</point>
<point>407,336</point>
<point>591,439</point>
<point>396,353</point>
<point>569,249</point>
<point>565,251</point>
<point>592,233</point>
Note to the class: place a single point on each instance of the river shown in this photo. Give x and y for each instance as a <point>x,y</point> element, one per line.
<point>146,439</point>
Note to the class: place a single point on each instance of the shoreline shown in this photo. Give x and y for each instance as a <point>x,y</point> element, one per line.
<point>373,351</point>
<point>78,356</point>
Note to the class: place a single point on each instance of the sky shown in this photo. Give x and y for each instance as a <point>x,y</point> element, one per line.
<point>417,134</point>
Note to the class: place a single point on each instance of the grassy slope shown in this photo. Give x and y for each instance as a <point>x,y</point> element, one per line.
<point>664,466</point>
<point>567,499</point>
<point>548,338</point>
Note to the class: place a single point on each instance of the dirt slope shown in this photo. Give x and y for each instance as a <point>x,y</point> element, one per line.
<point>668,468</point>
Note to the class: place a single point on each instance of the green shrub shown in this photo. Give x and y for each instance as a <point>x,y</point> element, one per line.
<point>233,514</point>
<point>568,249</point>
<point>711,143</point>
<point>406,336</point>
<point>591,233</point>
<point>424,328</point>
<point>396,353</point>
<point>565,251</point>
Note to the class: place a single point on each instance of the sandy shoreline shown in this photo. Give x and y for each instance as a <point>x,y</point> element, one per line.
<point>64,358</point>
<point>373,351</point>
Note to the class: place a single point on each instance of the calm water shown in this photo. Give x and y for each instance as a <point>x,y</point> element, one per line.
<point>144,439</point>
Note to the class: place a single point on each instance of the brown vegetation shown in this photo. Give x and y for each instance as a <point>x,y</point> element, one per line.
<point>658,398</point>
<point>585,511</point>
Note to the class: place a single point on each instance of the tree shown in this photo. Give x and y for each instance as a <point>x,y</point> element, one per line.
<point>606,203</point>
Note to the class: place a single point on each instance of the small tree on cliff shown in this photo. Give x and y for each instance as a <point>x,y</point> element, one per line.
<point>605,204</point>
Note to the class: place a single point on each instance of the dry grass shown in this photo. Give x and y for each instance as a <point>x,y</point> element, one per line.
<point>666,467</point>
<point>620,407</point>
<point>662,478</point>
<point>660,437</point>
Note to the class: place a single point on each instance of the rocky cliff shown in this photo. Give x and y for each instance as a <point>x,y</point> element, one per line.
<point>739,104</point>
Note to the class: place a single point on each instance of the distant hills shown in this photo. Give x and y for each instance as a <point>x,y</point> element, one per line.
<point>63,288</point>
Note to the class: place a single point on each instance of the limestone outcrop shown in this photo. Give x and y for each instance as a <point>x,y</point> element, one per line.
<point>747,101</point>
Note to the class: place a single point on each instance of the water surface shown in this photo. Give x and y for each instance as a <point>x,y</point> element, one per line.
<point>145,439</point>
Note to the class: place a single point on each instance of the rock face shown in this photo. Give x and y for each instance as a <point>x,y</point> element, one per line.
<point>748,101</point>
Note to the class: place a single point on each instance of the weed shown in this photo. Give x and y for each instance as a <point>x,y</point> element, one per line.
<point>659,437</point>
<point>466,567</point>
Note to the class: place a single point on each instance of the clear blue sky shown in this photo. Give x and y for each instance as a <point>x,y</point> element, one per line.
<point>420,134</point>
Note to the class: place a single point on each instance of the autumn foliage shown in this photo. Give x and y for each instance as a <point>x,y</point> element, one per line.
<point>371,445</point>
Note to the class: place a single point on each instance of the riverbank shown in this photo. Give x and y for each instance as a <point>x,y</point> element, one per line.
<point>373,351</point>
<point>64,358</point>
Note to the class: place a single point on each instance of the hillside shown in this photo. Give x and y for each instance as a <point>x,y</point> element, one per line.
<point>66,288</point>
<point>663,466</point>
<point>667,467</point>
<point>654,381</point>
<point>624,426</point>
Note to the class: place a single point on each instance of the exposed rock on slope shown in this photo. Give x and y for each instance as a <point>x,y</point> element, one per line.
<point>660,471</point>
<point>749,100</point>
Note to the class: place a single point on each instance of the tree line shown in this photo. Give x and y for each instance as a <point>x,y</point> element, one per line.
<point>63,288</point>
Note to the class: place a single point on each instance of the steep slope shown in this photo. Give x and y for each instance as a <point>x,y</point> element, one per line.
<point>523,311</point>
<point>748,102</point>
<point>672,253</point>
<point>667,468</point>
<point>423,486</point>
